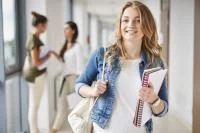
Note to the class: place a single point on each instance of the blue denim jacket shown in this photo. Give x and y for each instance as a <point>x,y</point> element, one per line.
<point>102,109</point>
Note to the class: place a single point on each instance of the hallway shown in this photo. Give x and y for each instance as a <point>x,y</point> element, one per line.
<point>178,24</point>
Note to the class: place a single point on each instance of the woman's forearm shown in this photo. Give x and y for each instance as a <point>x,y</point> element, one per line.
<point>36,59</point>
<point>45,58</point>
<point>42,60</point>
<point>159,108</point>
<point>86,91</point>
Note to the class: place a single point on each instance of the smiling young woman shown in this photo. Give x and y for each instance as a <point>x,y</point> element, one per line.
<point>135,50</point>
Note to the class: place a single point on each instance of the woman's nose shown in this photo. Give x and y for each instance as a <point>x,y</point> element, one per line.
<point>132,23</point>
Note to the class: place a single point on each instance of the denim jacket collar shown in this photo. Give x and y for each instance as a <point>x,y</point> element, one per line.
<point>143,57</point>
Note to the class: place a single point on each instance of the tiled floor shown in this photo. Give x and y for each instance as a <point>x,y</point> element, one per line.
<point>65,129</point>
<point>167,124</point>
<point>170,124</point>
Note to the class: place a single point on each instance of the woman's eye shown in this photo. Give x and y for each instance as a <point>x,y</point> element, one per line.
<point>125,20</point>
<point>138,20</point>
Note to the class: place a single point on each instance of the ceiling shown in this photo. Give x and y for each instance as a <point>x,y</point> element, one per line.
<point>105,8</point>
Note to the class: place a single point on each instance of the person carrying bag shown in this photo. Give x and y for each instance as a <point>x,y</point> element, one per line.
<point>79,117</point>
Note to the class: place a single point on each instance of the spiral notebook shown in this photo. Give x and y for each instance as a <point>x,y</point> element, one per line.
<point>143,110</point>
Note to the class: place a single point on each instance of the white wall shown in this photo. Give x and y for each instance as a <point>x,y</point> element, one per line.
<point>94,30</point>
<point>181,59</point>
<point>154,6</point>
<point>55,10</point>
<point>80,17</point>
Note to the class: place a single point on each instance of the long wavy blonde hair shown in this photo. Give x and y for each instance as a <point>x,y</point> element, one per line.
<point>150,39</point>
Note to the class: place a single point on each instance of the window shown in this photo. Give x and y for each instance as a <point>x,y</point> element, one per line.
<point>9,35</point>
<point>12,37</point>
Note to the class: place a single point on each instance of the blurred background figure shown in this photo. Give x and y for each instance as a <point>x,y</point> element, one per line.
<point>32,74</point>
<point>72,57</point>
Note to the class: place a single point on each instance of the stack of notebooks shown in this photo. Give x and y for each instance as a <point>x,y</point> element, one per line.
<point>143,110</point>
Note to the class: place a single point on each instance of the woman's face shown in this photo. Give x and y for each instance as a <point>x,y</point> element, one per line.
<point>42,27</point>
<point>131,25</point>
<point>68,31</point>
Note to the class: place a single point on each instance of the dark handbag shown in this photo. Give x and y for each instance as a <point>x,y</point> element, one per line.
<point>30,72</point>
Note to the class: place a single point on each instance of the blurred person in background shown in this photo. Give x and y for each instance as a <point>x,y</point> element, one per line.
<point>34,74</point>
<point>71,55</point>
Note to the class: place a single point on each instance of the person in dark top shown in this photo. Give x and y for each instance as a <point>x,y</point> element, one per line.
<point>33,74</point>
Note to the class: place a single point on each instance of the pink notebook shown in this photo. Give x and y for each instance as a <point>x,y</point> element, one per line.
<point>143,110</point>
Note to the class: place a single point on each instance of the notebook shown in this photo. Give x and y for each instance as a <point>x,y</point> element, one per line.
<point>43,51</point>
<point>143,110</point>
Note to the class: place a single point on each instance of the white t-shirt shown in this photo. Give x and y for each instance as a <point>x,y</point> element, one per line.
<point>127,89</point>
<point>73,60</point>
